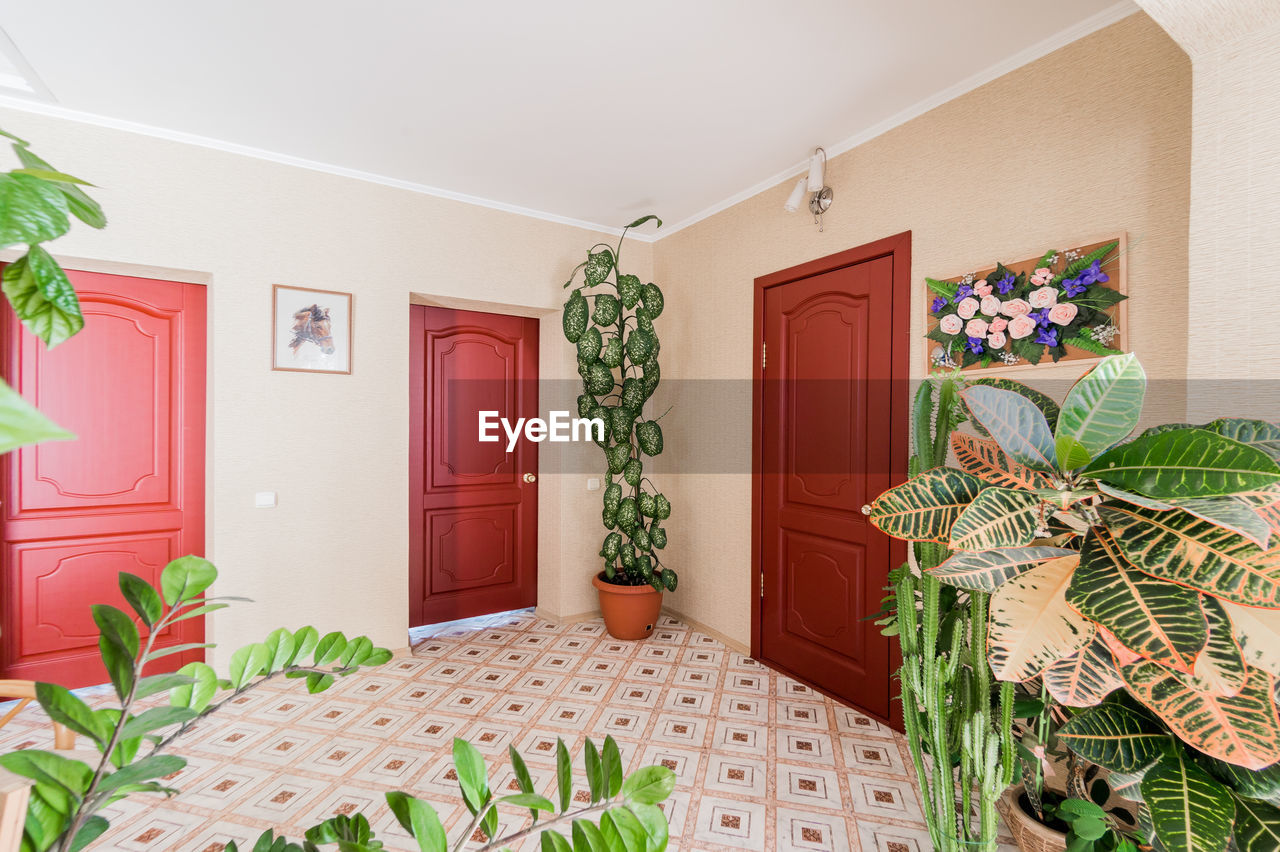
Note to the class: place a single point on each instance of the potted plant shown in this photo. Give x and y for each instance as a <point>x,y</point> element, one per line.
<point>1115,561</point>
<point>618,361</point>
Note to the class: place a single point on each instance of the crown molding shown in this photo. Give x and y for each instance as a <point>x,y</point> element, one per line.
<point>1027,55</point>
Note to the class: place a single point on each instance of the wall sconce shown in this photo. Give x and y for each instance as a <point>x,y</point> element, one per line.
<point>814,183</point>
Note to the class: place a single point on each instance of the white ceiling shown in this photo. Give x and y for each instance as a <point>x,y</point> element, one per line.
<point>578,109</point>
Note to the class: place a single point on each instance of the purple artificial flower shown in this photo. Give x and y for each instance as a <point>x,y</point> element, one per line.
<point>975,345</point>
<point>1041,317</point>
<point>1005,284</point>
<point>1094,274</point>
<point>1047,336</point>
<point>938,304</point>
<point>1074,287</point>
<point>964,291</point>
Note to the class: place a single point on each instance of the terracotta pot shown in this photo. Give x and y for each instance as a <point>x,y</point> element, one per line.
<point>630,612</point>
<point>1030,834</point>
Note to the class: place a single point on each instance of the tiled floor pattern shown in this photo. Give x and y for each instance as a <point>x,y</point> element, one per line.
<point>762,762</point>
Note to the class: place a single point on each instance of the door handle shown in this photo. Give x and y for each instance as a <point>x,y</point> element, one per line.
<point>529,477</point>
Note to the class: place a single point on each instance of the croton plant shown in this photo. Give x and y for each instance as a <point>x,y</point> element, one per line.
<point>618,361</point>
<point>1146,563</point>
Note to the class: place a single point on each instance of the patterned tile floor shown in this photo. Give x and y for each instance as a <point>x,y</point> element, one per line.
<point>762,762</point>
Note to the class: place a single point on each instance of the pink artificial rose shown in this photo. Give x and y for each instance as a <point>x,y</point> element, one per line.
<point>1041,276</point>
<point>998,324</point>
<point>1021,326</point>
<point>951,324</point>
<point>996,339</point>
<point>976,328</point>
<point>1015,308</point>
<point>967,307</point>
<point>1063,313</point>
<point>990,305</point>
<point>1043,298</point>
<point>982,288</point>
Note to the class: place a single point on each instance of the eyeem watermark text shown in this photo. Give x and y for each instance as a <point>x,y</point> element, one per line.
<point>561,428</point>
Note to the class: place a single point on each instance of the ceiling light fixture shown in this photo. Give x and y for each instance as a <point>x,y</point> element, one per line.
<point>816,184</point>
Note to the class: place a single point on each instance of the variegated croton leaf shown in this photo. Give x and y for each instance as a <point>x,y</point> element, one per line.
<point>986,570</point>
<point>1030,624</point>
<point>1242,729</point>
<point>1085,678</point>
<point>997,517</point>
<point>1220,668</point>
<point>1115,737</point>
<point>1101,409</point>
<point>1185,463</point>
<point>1189,809</point>
<point>985,459</point>
<point>1257,826</point>
<point>1177,546</point>
<point>1156,619</point>
<point>926,506</point>
<point>1016,424</point>
<point>1258,632</point>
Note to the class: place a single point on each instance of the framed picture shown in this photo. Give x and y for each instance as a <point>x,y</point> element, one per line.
<point>310,330</point>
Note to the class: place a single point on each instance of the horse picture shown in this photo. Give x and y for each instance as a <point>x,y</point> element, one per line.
<point>311,330</point>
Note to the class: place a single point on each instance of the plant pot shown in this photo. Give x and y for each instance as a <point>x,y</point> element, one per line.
<point>1030,834</point>
<point>630,612</point>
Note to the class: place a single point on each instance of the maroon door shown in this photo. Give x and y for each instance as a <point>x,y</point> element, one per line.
<point>126,495</point>
<point>825,447</point>
<point>473,507</point>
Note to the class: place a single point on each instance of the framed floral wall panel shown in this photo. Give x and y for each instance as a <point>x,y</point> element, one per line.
<point>1065,305</point>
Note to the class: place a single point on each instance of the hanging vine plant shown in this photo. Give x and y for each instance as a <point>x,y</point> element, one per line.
<point>609,316</point>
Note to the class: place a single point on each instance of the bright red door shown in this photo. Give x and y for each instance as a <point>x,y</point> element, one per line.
<point>473,507</point>
<point>126,495</point>
<point>826,420</point>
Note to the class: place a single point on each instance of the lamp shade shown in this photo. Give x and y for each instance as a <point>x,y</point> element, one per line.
<point>796,198</point>
<point>817,170</point>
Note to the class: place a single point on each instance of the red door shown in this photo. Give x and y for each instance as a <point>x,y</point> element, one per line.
<point>126,495</point>
<point>828,412</point>
<point>473,506</point>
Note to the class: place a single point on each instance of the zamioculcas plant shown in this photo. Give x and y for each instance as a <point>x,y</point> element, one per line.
<point>68,794</point>
<point>1146,563</point>
<point>618,361</point>
<point>622,814</point>
<point>36,206</point>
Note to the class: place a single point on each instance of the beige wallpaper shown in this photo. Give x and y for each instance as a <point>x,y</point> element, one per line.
<point>1090,139</point>
<point>334,553</point>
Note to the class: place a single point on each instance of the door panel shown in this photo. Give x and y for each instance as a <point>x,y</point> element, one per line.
<point>473,518</point>
<point>127,494</point>
<point>825,414</point>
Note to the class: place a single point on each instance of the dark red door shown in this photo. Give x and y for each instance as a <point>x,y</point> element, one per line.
<point>825,448</point>
<point>473,506</point>
<point>126,495</point>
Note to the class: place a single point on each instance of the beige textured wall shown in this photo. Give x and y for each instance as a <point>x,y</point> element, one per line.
<point>1090,139</point>
<point>334,553</point>
<point>1234,47</point>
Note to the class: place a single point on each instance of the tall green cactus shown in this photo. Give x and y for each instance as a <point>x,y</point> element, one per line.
<point>945,678</point>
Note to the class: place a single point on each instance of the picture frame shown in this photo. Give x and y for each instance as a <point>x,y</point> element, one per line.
<point>312,330</point>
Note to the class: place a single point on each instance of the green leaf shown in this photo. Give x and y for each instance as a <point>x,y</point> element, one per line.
<point>599,265</point>
<point>79,204</point>
<point>574,318</point>
<point>551,841</point>
<point>629,290</point>
<point>1235,513</point>
<point>654,821</point>
<point>925,507</point>
<point>1115,738</point>
<point>31,210</point>
<point>198,611</point>
<point>247,663</point>
<point>528,800</point>
<point>595,777</point>
<point>420,820</point>
<point>630,832</point>
<point>42,296</point>
<point>1181,548</point>
<point>997,517</point>
<point>48,767</point>
<point>118,645</point>
<point>306,639</point>
<point>523,778</point>
<point>1189,810</point>
<point>199,694</point>
<point>90,831</point>
<point>649,785</point>
<point>985,571</point>
<point>1185,463</point>
<point>152,766</point>
<point>142,597</point>
<point>357,651</point>
<point>155,719</point>
<point>317,682</point>
<point>185,577</point>
<point>1016,424</point>
<point>611,767</point>
<point>637,223</point>
<point>1153,618</point>
<point>1258,434</point>
<point>472,777</point>
<point>281,648</point>
<point>65,707</point>
<point>564,775</point>
<point>1220,667</point>
<point>49,175</point>
<point>1257,826</point>
<point>1045,403</point>
<point>587,838</point>
<point>167,650</point>
<point>21,424</point>
<point>329,648</point>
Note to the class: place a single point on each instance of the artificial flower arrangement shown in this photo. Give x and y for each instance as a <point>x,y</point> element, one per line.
<point>1019,318</point>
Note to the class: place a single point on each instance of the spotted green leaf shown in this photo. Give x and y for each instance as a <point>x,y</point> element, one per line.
<point>599,265</point>
<point>1184,463</point>
<point>607,309</point>
<point>574,319</point>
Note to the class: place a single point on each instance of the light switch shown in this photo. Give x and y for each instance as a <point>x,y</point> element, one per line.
<point>593,483</point>
<point>264,500</point>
